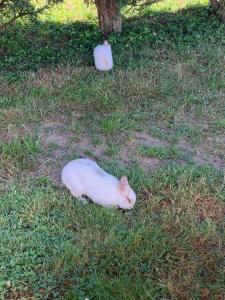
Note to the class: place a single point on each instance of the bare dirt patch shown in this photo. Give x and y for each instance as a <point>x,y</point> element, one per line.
<point>201,156</point>
<point>208,159</point>
<point>84,145</point>
<point>55,139</point>
<point>150,163</point>
<point>60,144</point>
<point>143,138</point>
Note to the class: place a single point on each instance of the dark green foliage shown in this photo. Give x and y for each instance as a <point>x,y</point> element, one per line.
<point>42,44</point>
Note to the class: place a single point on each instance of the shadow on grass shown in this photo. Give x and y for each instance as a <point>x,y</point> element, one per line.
<point>45,44</point>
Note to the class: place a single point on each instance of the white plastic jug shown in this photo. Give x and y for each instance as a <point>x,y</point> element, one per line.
<point>103,57</point>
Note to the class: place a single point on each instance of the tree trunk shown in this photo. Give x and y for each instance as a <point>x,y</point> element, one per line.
<point>222,10</point>
<point>215,6</point>
<point>108,16</point>
<point>218,7</point>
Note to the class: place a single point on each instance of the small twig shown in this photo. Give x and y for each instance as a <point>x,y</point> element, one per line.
<point>60,110</point>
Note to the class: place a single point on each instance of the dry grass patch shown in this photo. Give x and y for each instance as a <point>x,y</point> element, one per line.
<point>11,116</point>
<point>53,79</point>
<point>207,207</point>
<point>13,294</point>
<point>7,90</point>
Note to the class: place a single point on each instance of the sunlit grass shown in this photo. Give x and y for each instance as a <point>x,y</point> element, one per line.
<point>175,5</point>
<point>76,10</point>
<point>161,6</point>
<point>70,11</point>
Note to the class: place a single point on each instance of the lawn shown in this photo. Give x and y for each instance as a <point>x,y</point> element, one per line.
<point>158,117</point>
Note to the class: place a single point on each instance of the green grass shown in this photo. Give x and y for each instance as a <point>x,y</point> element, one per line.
<point>111,150</point>
<point>19,153</point>
<point>21,148</point>
<point>116,123</point>
<point>53,246</point>
<point>168,85</point>
<point>161,152</point>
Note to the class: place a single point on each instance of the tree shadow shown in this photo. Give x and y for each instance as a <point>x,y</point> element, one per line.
<point>43,44</point>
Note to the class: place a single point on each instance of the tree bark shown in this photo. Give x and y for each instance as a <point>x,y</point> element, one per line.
<point>108,16</point>
<point>222,10</point>
<point>218,7</point>
<point>215,6</point>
